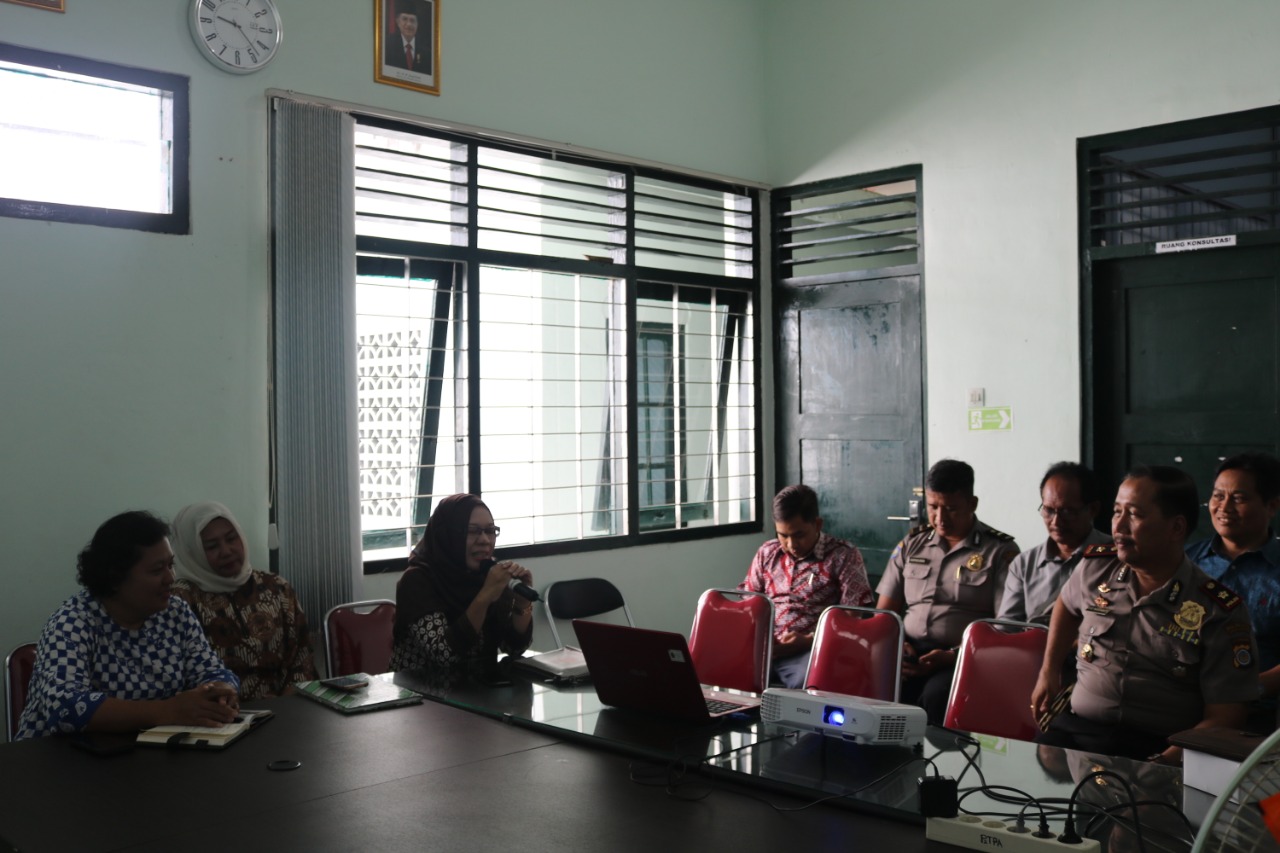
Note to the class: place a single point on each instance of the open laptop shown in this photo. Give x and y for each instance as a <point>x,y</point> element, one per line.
<point>638,669</point>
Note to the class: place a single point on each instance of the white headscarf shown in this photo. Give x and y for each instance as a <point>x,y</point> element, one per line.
<point>190,563</point>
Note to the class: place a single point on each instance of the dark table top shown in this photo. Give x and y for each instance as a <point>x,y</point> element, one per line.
<point>879,780</point>
<point>421,777</point>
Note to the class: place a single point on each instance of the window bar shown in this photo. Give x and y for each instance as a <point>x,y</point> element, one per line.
<point>579,454</point>
<point>677,411</point>
<point>435,362</point>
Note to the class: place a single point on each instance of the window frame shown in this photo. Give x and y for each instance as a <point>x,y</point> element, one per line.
<point>176,222</point>
<point>471,259</point>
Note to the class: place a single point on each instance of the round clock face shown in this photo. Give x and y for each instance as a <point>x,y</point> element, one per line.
<point>236,35</point>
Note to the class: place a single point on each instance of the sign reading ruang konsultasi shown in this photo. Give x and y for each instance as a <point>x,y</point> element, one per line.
<point>1196,245</point>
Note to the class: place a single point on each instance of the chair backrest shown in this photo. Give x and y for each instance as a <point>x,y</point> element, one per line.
<point>18,667</point>
<point>995,674</point>
<point>857,651</point>
<point>581,598</point>
<point>732,639</point>
<point>358,637</point>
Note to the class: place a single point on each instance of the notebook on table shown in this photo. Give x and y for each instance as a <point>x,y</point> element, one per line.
<point>560,666</point>
<point>200,737</point>
<point>638,669</point>
<point>379,693</point>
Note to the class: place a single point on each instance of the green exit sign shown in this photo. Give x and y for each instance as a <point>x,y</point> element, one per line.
<point>995,417</point>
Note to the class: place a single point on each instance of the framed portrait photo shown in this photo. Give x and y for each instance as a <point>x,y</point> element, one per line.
<point>51,5</point>
<point>407,44</point>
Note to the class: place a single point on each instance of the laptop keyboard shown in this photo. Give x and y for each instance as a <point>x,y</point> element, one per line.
<point>716,706</point>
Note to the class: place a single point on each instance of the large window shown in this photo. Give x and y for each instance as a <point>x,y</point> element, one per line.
<point>92,142</point>
<point>573,340</point>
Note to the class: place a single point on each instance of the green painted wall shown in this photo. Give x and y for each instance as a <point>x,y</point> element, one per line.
<point>136,365</point>
<point>991,96</point>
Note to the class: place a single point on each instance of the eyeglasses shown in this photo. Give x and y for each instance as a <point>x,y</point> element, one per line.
<point>1066,513</point>
<point>475,532</point>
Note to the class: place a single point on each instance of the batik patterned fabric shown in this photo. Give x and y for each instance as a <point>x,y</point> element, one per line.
<point>84,657</point>
<point>427,647</point>
<point>801,589</point>
<point>259,631</point>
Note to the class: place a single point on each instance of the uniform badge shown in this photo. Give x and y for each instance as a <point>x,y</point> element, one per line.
<point>1121,575</point>
<point>1179,670</point>
<point>917,559</point>
<point>1187,635</point>
<point>1242,656</point>
<point>975,563</point>
<point>1101,603</point>
<point>1223,597</point>
<point>1100,551</point>
<point>1103,588</point>
<point>1086,652</point>
<point>1190,617</point>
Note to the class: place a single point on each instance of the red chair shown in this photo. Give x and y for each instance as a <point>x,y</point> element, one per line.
<point>18,667</point>
<point>996,672</point>
<point>857,651</point>
<point>358,637</point>
<point>732,639</point>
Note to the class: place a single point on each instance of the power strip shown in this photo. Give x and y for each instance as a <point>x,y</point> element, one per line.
<point>975,833</point>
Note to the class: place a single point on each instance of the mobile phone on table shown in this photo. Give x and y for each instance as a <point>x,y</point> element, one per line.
<point>104,743</point>
<point>346,682</point>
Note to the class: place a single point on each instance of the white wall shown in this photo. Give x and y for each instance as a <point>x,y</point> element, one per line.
<point>135,365</point>
<point>991,96</point>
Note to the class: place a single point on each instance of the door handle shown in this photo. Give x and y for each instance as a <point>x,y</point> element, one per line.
<point>899,518</point>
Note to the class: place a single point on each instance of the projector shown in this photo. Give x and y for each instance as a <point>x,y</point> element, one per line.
<point>854,718</point>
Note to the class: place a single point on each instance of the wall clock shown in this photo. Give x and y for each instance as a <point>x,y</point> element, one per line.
<point>238,36</point>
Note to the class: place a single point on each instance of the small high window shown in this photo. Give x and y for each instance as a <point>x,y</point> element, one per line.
<point>92,142</point>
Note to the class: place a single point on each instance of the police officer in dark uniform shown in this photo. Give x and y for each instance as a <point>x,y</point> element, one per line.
<point>945,575</point>
<point>1160,646</point>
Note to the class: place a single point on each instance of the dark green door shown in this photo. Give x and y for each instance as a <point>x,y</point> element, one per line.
<point>1186,362</point>
<point>849,403</point>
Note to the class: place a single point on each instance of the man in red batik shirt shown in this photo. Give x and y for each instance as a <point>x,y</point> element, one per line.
<point>804,571</point>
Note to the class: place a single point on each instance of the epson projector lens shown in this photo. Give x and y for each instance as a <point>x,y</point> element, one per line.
<point>833,716</point>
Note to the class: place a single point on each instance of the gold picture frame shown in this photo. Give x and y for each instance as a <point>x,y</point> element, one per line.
<point>50,5</point>
<point>410,64</point>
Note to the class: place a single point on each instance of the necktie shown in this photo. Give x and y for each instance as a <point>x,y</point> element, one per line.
<point>408,56</point>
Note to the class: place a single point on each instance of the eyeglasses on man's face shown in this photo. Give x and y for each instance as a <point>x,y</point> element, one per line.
<point>475,531</point>
<point>1066,513</point>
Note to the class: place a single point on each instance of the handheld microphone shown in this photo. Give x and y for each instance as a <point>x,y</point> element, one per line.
<point>516,585</point>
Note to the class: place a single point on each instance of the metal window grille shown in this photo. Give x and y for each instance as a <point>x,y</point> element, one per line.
<point>1184,181</point>
<point>846,229</point>
<point>524,287</point>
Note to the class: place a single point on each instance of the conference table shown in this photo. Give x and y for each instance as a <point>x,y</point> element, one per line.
<point>524,766</point>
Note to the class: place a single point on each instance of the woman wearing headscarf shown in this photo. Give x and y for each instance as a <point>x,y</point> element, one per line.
<point>454,608</point>
<point>252,618</point>
<point>123,654</point>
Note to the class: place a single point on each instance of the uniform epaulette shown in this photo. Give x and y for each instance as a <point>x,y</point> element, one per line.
<point>1000,534</point>
<point>1221,595</point>
<point>918,529</point>
<point>1107,550</point>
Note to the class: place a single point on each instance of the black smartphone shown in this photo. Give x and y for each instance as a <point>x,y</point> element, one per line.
<point>104,743</point>
<point>346,682</point>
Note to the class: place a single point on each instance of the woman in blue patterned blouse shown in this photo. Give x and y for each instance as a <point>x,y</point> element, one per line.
<point>124,654</point>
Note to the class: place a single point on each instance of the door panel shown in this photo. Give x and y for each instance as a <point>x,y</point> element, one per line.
<point>1186,361</point>
<point>850,405</point>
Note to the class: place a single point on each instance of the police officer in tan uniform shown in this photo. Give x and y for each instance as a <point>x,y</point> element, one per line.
<point>1160,646</point>
<point>945,575</point>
